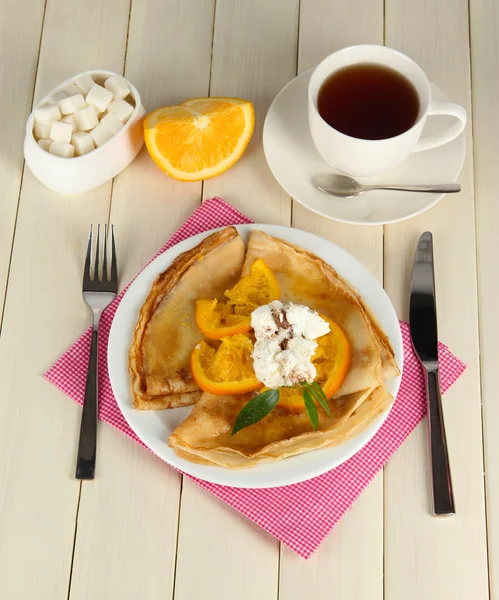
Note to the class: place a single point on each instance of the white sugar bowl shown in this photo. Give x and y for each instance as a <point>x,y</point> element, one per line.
<point>110,154</point>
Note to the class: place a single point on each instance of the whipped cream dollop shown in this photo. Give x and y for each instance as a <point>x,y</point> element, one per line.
<point>285,343</point>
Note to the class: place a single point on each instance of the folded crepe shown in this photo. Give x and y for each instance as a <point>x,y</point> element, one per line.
<point>306,279</point>
<point>166,331</point>
<point>205,436</point>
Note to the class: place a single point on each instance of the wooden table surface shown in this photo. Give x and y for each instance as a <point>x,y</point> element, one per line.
<point>138,530</point>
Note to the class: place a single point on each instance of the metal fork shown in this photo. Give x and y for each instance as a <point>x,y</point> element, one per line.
<point>99,290</point>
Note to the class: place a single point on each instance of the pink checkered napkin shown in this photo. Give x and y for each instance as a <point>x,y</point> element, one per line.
<point>300,515</point>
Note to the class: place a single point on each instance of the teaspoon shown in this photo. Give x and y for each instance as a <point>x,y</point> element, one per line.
<point>347,187</point>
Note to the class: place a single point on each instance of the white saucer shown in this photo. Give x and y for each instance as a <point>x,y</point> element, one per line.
<point>294,161</point>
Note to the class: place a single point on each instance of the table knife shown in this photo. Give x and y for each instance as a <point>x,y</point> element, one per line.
<point>424,335</point>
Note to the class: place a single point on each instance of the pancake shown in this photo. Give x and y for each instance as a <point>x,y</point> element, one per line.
<point>166,331</point>
<point>306,279</point>
<point>205,436</point>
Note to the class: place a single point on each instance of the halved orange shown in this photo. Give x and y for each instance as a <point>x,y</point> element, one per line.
<point>199,138</point>
<point>226,370</point>
<point>331,360</point>
<point>220,319</point>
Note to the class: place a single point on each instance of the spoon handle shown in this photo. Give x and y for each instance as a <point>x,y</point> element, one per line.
<point>446,188</point>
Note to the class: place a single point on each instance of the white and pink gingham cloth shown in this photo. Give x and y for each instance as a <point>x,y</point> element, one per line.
<point>300,515</point>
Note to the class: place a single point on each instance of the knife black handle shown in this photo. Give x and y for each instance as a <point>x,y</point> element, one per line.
<point>443,496</point>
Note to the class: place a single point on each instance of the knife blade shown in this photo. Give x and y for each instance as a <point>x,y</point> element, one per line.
<point>424,336</point>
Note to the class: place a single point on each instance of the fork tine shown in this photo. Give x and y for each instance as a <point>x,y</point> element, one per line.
<point>114,267</point>
<point>97,251</point>
<point>87,275</point>
<point>105,274</point>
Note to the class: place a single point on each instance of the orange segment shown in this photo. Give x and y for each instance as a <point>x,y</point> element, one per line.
<point>199,138</point>
<point>331,360</point>
<point>217,319</point>
<point>259,287</point>
<point>226,370</point>
<point>220,319</point>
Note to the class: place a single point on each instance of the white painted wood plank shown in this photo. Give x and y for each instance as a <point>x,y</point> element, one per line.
<point>485,77</point>
<point>356,545</point>
<point>221,553</point>
<point>127,526</point>
<point>349,563</point>
<point>44,313</point>
<point>19,46</point>
<point>254,55</point>
<point>427,557</point>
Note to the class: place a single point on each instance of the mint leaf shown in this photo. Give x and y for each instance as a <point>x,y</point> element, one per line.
<point>256,409</point>
<point>320,396</point>
<point>311,409</point>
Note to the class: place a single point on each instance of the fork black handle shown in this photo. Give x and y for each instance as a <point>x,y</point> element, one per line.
<point>87,446</point>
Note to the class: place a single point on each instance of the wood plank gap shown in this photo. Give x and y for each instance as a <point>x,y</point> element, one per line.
<point>292,202</point>
<point>209,77</point>
<point>479,303</point>
<point>279,554</point>
<point>109,206</point>
<point>123,71</point>
<point>178,536</point>
<point>212,45</point>
<point>384,27</point>
<point>383,251</point>
<point>22,176</point>
<point>74,541</point>
<point>127,35</point>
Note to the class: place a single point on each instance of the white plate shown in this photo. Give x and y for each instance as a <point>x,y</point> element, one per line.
<point>294,162</point>
<point>154,427</point>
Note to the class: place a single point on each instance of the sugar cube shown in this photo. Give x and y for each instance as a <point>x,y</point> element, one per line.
<point>120,109</point>
<point>61,132</point>
<point>85,83</point>
<point>42,131</point>
<point>62,149</point>
<point>45,114</point>
<point>45,144</point>
<point>112,122</point>
<point>71,104</point>
<point>86,119</point>
<point>99,97</point>
<point>118,86</point>
<point>58,96</point>
<point>72,89</point>
<point>101,134</point>
<point>70,119</point>
<point>82,142</point>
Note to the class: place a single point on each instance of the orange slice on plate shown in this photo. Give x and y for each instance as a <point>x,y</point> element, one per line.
<point>259,287</point>
<point>331,360</point>
<point>199,138</point>
<point>220,319</point>
<point>226,370</point>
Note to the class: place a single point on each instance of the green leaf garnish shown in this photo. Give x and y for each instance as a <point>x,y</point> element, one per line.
<point>261,405</point>
<point>256,409</point>
<point>311,408</point>
<point>320,396</point>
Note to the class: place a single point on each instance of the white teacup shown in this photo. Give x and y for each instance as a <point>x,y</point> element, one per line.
<point>362,157</point>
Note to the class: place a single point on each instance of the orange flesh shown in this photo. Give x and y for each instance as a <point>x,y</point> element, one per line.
<point>226,370</point>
